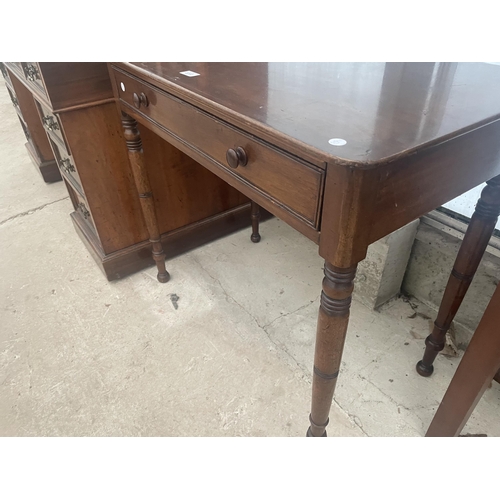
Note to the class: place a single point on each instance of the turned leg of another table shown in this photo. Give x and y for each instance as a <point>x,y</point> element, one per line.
<point>331,331</point>
<point>136,157</point>
<point>255,214</point>
<point>476,370</point>
<point>471,251</point>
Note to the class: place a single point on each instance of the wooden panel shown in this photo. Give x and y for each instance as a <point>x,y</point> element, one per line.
<point>66,85</point>
<point>270,170</point>
<point>414,186</point>
<point>81,207</point>
<point>32,119</point>
<point>33,76</point>
<point>5,73</point>
<point>104,171</point>
<point>72,84</point>
<point>346,217</point>
<point>52,125</point>
<point>66,164</point>
<point>183,191</point>
<point>13,98</point>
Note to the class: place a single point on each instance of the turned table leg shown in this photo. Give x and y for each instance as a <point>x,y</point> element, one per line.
<point>471,251</point>
<point>476,370</point>
<point>136,157</point>
<point>331,331</point>
<point>255,214</point>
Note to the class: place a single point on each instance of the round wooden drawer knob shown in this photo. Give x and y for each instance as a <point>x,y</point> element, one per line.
<point>140,99</point>
<point>236,157</point>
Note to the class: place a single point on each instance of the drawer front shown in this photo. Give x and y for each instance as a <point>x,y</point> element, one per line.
<point>13,98</point>
<point>66,164</point>
<point>268,169</point>
<point>52,124</point>
<point>25,129</point>
<point>33,75</point>
<point>5,73</point>
<point>81,208</point>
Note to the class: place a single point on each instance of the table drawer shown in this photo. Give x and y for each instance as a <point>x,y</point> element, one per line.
<point>51,124</point>
<point>66,164</point>
<point>272,171</point>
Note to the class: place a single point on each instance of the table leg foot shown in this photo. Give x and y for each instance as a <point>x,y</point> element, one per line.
<point>424,370</point>
<point>333,319</point>
<point>255,214</point>
<point>469,256</point>
<point>309,433</point>
<point>163,277</point>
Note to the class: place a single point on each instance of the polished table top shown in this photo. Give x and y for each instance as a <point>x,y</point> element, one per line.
<point>381,110</point>
<point>372,146</point>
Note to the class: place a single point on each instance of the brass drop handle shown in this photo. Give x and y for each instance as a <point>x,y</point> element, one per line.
<point>140,99</point>
<point>32,73</point>
<point>236,157</point>
<point>67,166</point>
<point>83,209</point>
<point>50,123</point>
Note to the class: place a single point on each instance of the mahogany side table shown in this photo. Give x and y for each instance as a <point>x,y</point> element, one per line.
<point>345,153</point>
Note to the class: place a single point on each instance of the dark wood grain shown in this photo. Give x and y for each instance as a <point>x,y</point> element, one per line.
<point>413,186</point>
<point>234,182</point>
<point>38,144</point>
<point>213,139</point>
<point>409,137</point>
<point>83,141</point>
<point>104,174</point>
<point>136,157</point>
<point>255,214</point>
<point>382,110</point>
<point>52,124</point>
<point>333,318</point>
<point>472,248</point>
<point>476,370</point>
<point>66,85</point>
<point>119,264</point>
<point>183,191</point>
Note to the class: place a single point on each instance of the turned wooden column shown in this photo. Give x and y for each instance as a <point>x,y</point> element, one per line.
<point>330,336</point>
<point>471,251</point>
<point>136,157</point>
<point>255,214</point>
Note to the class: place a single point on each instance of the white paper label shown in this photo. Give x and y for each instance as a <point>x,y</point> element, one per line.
<point>189,73</point>
<point>337,142</point>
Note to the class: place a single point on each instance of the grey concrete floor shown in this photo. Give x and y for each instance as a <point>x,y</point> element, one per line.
<point>80,356</point>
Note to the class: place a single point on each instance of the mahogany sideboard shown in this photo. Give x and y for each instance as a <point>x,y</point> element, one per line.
<point>74,127</point>
<point>37,143</point>
<point>344,153</point>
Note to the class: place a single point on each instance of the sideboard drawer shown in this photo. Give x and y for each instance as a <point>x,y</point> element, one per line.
<point>51,124</point>
<point>33,75</point>
<point>5,73</point>
<point>81,208</point>
<point>263,166</point>
<point>66,164</point>
<point>13,98</point>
